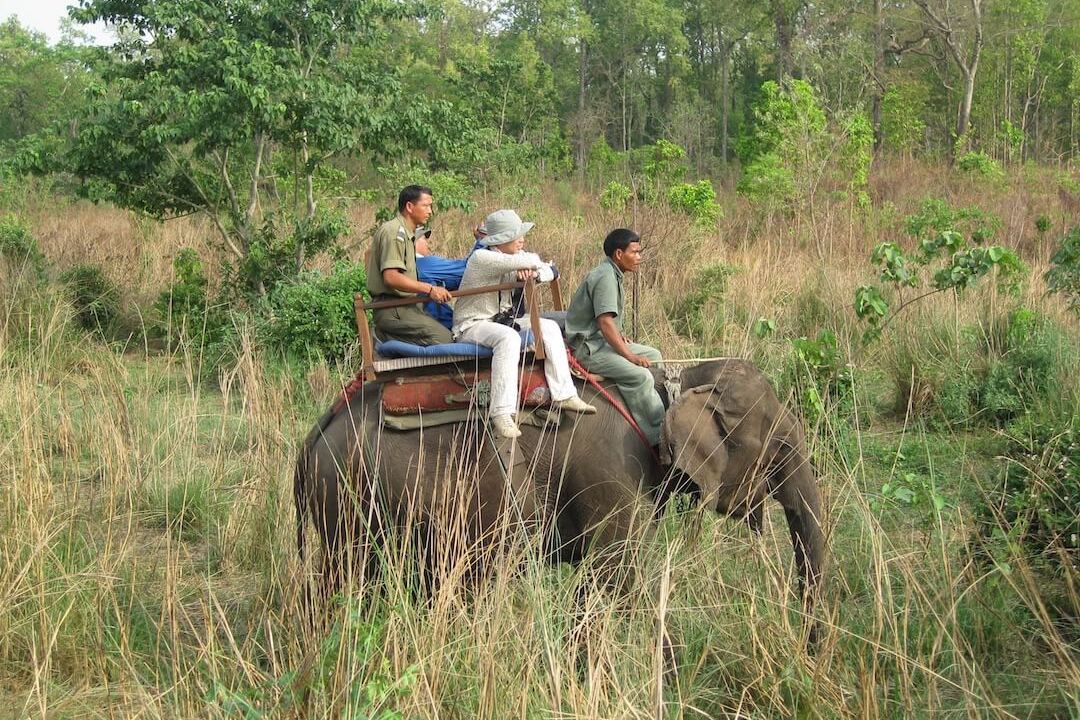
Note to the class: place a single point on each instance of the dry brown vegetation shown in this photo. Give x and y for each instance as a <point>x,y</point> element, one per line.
<point>147,563</point>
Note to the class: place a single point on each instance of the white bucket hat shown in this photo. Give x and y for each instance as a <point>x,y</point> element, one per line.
<point>502,226</point>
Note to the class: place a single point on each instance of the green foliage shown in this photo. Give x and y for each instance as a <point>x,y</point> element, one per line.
<point>1042,224</point>
<point>204,94</point>
<point>40,83</point>
<point>902,108</point>
<point>857,154</point>
<point>763,327</point>
<point>1063,277</point>
<point>368,693</point>
<point>697,200</point>
<point>696,315</point>
<point>312,317</point>
<point>601,162</point>
<point>956,262</point>
<point>1012,138</point>
<point>275,255</point>
<point>819,374</point>
<point>665,162</point>
<point>615,196</point>
<point>186,308</point>
<point>981,164</point>
<point>18,247</point>
<point>95,299</point>
<point>910,491</point>
<point>1024,367</point>
<point>450,190</point>
<point>1033,503</point>
<point>782,154</point>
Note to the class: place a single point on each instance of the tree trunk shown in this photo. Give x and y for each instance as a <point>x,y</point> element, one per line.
<point>583,65</point>
<point>725,99</point>
<point>878,81</point>
<point>785,33</point>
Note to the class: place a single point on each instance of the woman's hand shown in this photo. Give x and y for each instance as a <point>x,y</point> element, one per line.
<point>524,275</point>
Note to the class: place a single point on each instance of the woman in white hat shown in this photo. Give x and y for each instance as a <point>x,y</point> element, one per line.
<point>501,255</point>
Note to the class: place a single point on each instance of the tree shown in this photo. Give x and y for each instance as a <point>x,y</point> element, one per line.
<point>961,34</point>
<point>235,110</point>
<point>38,83</point>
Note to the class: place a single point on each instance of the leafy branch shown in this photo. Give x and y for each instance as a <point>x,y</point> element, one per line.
<point>950,247</point>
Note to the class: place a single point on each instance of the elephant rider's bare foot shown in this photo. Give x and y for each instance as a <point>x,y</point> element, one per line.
<point>505,427</point>
<point>575,404</point>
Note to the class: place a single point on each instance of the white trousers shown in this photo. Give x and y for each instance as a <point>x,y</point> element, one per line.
<point>505,343</point>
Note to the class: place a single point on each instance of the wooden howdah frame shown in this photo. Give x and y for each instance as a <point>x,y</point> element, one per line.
<point>532,306</point>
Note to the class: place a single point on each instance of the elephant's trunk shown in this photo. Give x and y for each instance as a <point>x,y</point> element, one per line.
<point>797,491</point>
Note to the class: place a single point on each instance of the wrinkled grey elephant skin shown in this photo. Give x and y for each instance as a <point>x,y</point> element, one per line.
<point>589,485</point>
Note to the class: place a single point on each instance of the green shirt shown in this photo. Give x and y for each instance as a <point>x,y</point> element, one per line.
<point>599,294</point>
<point>393,248</point>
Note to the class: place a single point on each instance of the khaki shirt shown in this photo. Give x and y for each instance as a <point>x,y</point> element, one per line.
<point>600,293</point>
<point>393,248</point>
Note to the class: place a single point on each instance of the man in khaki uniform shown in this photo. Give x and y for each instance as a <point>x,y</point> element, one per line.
<point>391,274</point>
<point>594,333</point>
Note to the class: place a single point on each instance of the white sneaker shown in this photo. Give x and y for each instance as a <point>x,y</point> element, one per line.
<point>505,427</point>
<point>575,404</point>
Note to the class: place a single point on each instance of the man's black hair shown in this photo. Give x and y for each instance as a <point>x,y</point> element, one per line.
<point>619,239</point>
<point>411,194</point>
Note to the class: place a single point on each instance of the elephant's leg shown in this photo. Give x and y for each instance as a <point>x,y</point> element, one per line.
<point>795,487</point>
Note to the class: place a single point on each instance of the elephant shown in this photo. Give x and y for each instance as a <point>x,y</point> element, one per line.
<point>587,483</point>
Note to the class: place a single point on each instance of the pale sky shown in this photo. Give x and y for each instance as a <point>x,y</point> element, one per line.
<point>44,16</point>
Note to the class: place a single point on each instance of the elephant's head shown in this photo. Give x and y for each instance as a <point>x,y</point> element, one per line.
<point>729,434</point>
<point>715,433</point>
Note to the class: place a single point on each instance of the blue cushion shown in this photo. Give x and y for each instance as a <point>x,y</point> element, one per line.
<point>399,349</point>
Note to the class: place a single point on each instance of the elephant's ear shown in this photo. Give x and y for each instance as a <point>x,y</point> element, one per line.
<point>692,439</point>
<point>728,407</point>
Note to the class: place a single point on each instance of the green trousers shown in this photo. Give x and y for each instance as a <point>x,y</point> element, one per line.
<point>635,383</point>
<point>410,324</point>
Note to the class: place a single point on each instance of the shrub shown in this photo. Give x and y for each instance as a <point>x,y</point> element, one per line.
<point>1023,368</point>
<point>1063,277</point>
<point>95,299</point>
<point>615,196</point>
<point>1037,492</point>
<point>312,317</point>
<point>185,309</point>
<point>18,246</point>
<point>782,155</point>
<point>695,315</point>
<point>857,153</point>
<point>818,374</point>
<point>981,164</point>
<point>697,200</point>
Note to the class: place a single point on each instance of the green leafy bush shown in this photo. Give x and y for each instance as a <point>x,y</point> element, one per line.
<point>1063,277</point>
<point>18,246</point>
<point>95,299</point>
<point>783,152</point>
<point>615,196</point>
<point>819,375</point>
<point>698,200</point>
<point>1035,499</point>
<point>695,315</point>
<point>1023,366</point>
<point>276,256</point>
<point>981,164</point>
<point>186,308</point>
<point>857,153</point>
<point>313,317</point>
<point>902,109</point>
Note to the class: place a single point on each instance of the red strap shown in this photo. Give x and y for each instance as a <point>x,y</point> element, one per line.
<point>619,407</point>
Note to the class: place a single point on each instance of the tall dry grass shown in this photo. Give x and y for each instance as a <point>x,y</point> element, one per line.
<point>147,563</point>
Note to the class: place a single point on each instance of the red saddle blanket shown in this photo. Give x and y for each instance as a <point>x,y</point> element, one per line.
<point>433,393</point>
